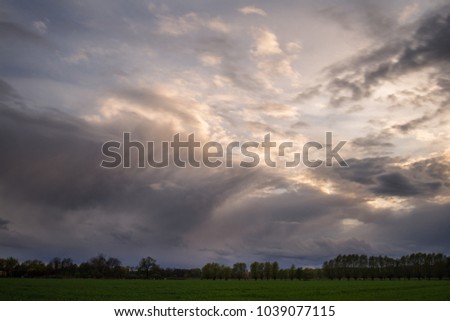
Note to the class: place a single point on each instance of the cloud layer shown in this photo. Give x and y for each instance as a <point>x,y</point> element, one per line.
<point>77,74</point>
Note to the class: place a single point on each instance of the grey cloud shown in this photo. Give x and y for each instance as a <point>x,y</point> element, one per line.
<point>52,165</point>
<point>294,225</point>
<point>311,252</point>
<point>442,82</point>
<point>428,46</point>
<point>437,168</point>
<point>338,86</point>
<point>345,246</point>
<point>306,226</point>
<point>425,226</point>
<point>308,93</point>
<point>371,141</point>
<point>430,42</point>
<point>412,124</point>
<point>299,124</point>
<point>418,98</point>
<point>367,58</point>
<point>242,78</point>
<point>354,109</point>
<point>363,171</point>
<point>10,31</point>
<point>396,184</point>
<point>370,17</point>
<point>4,224</point>
<point>50,158</point>
<point>70,178</point>
<point>8,94</point>
<point>382,176</point>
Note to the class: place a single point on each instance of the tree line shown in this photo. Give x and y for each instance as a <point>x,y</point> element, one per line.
<point>354,266</point>
<point>258,271</point>
<point>416,265</point>
<point>98,267</point>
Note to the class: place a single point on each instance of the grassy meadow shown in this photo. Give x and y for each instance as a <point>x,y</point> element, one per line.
<point>184,290</point>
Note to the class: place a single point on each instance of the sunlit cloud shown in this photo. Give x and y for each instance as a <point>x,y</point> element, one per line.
<point>252,10</point>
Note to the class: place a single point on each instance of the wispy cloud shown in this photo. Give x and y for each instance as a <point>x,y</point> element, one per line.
<point>252,10</point>
<point>180,25</point>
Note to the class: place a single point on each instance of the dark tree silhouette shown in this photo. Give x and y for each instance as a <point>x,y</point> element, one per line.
<point>146,266</point>
<point>239,270</point>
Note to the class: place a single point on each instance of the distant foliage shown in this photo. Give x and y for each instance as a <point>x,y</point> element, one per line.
<point>417,266</point>
<point>353,266</point>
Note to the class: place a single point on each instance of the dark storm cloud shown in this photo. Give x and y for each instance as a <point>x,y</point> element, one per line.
<point>318,250</point>
<point>59,156</point>
<point>296,224</point>
<point>185,207</point>
<point>51,163</point>
<point>426,226</point>
<point>363,171</point>
<point>382,176</point>
<point>352,245</point>
<point>50,158</point>
<point>52,166</point>
<point>429,46</point>
<point>306,227</point>
<point>396,184</point>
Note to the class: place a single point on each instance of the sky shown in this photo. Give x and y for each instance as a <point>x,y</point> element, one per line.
<point>76,74</point>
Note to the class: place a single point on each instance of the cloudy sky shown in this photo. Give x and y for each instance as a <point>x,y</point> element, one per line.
<point>75,74</point>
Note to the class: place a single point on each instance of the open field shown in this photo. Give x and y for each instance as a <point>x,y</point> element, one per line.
<point>90,289</point>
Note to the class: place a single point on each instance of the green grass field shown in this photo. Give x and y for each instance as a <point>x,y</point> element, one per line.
<point>83,289</point>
